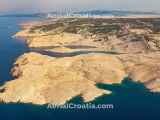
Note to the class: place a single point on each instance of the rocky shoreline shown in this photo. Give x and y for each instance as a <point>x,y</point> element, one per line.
<point>113,49</point>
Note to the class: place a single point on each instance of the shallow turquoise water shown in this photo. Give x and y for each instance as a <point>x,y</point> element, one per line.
<point>131,100</point>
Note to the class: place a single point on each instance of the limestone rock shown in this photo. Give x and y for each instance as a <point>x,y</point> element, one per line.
<point>97,33</point>
<point>56,80</point>
<point>45,79</point>
<point>144,68</point>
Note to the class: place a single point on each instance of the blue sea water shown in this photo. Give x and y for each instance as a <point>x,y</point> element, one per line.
<point>10,48</point>
<point>132,101</point>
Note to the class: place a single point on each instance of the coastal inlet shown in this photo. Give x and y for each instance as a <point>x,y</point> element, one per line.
<point>68,57</point>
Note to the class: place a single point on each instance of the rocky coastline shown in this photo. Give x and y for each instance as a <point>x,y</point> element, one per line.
<point>113,49</point>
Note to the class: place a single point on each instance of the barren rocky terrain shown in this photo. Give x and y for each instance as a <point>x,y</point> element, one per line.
<point>69,56</point>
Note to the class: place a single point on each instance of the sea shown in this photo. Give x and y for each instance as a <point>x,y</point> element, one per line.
<point>130,100</point>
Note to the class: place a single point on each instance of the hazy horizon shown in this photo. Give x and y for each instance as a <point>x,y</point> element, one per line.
<point>29,6</point>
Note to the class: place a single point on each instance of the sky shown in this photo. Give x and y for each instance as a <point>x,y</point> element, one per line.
<point>28,6</point>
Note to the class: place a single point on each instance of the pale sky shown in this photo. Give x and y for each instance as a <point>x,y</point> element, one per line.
<point>13,6</point>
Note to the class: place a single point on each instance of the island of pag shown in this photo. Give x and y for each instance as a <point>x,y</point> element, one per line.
<point>69,56</point>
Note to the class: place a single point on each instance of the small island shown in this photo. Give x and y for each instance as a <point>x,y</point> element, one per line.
<point>69,56</point>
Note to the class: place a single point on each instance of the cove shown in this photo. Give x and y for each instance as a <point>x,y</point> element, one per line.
<point>131,100</point>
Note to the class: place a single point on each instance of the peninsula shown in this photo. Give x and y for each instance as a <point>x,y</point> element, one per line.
<point>69,56</point>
